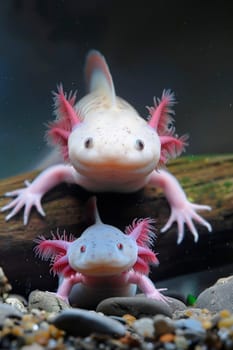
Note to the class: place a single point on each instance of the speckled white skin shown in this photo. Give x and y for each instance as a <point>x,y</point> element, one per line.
<point>114,161</point>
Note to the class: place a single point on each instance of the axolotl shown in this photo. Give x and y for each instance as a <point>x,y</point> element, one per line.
<point>103,262</point>
<point>108,146</point>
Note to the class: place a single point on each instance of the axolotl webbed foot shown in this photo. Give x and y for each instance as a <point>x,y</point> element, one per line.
<point>158,296</point>
<point>186,215</point>
<point>25,197</point>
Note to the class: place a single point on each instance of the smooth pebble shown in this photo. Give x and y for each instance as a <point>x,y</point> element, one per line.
<point>136,306</point>
<point>189,323</point>
<point>176,304</point>
<point>79,322</point>
<point>163,325</point>
<point>144,327</point>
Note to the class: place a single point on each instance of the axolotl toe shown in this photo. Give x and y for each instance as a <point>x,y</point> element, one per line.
<point>108,146</point>
<point>103,262</point>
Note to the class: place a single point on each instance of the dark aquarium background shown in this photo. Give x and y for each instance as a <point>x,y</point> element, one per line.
<point>150,45</point>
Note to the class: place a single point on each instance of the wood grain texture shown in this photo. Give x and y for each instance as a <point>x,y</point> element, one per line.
<point>206,180</point>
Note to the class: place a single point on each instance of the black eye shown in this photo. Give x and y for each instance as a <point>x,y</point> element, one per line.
<point>120,246</point>
<point>88,142</point>
<point>139,144</point>
<point>170,126</point>
<point>82,248</point>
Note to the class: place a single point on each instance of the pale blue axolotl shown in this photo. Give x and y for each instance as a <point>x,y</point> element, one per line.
<point>103,262</point>
<point>109,147</point>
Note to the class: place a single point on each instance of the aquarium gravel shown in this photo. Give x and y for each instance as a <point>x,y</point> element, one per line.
<point>83,329</point>
<point>35,330</point>
<point>58,326</point>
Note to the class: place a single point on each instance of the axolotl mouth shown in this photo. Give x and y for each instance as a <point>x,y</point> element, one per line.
<point>103,270</point>
<point>113,177</point>
<point>110,167</point>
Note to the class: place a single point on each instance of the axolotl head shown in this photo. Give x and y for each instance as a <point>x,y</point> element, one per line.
<point>115,141</point>
<point>102,250</point>
<point>104,135</point>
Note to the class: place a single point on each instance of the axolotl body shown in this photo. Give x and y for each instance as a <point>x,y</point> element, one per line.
<point>108,146</point>
<point>103,262</point>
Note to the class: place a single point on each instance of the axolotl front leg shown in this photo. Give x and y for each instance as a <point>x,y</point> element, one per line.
<point>66,285</point>
<point>32,194</point>
<point>182,211</point>
<point>146,285</point>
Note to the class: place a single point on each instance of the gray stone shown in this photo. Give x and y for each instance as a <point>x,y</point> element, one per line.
<point>16,303</point>
<point>21,298</point>
<point>217,297</point>
<point>46,301</point>
<point>80,322</point>
<point>190,323</point>
<point>176,304</point>
<point>191,328</point>
<point>8,311</point>
<point>136,306</point>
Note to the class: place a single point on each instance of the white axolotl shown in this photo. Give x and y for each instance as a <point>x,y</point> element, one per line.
<point>109,147</point>
<point>103,262</point>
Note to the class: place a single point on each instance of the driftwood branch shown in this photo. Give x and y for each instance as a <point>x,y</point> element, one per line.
<point>206,180</point>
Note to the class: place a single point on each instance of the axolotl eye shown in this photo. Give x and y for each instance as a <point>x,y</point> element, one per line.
<point>82,248</point>
<point>120,246</point>
<point>88,143</point>
<point>139,145</point>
